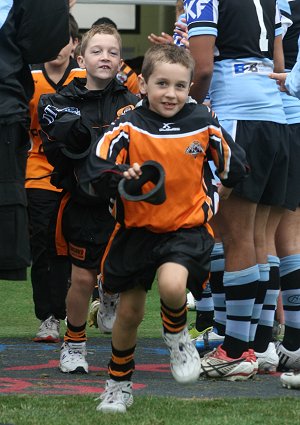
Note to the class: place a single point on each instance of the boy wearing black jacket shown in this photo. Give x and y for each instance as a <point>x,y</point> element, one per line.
<point>72,120</point>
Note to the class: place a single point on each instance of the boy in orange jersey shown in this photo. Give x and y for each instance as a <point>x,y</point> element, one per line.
<point>172,239</point>
<point>49,273</point>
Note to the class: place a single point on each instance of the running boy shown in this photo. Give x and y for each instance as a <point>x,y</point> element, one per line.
<point>72,120</point>
<point>172,239</point>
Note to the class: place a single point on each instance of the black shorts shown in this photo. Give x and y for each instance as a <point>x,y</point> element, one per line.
<point>134,255</point>
<point>267,148</point>
<point>86,230</point>
<point>292,200</point>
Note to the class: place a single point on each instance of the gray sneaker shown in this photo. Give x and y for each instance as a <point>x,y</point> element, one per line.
<point>116,397</point>
<point>48,331</point>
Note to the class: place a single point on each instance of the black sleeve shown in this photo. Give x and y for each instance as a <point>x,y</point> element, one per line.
<point>99,176</point>
<point>64,130</point>
<point>43,28</point>
<point>239,167</point>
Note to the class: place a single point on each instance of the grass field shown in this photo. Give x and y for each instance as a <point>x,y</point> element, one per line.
<point>17,320</point>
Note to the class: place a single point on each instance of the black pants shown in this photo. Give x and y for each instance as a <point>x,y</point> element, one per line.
<point>14,236</point>
<point>49,274</point>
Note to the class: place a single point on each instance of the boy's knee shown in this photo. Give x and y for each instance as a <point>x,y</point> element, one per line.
<point>130,316</point>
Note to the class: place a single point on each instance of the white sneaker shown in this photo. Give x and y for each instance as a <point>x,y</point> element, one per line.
<point>190,301</point>
<point>184,358</point>
<point>107,309</point>
<point>48,331</point>
<point>268,360</point>
<point>290,380</point>
<point>288,359</point>
<point>218,365</point>
<point>72,358</point>
<point>117,397</point>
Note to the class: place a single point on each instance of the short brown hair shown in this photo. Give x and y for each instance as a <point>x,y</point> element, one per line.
<point>166,53</point>
<point>99,29</point>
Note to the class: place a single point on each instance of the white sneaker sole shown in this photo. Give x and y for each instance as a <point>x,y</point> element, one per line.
<point>79,369</point>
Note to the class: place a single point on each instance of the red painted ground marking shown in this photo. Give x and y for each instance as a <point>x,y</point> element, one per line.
<point>162,368</point>
<point>151,367</point>
<point>49,365</point>
<point>9,385</point>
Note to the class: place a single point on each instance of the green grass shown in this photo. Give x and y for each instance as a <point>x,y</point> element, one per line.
<point>79,410</point>
<point>18,307</point>
<point>18,320</point>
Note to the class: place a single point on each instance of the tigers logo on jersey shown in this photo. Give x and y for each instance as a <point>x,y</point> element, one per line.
<point>123,111</point>
<point>194,149</point>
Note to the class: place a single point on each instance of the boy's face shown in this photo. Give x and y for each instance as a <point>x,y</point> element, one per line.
<point>63,56</point>
<point>101,60</point>
<point>167,88</point>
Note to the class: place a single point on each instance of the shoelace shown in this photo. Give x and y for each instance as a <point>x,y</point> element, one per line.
<point>50,323</point>
<point>179,354</point>
<point>77,352</point>
<point>112,396</point>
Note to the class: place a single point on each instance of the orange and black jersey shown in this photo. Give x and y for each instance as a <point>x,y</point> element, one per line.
<point>128,77</point>
<point>38,169</point>
<point>182,145</point>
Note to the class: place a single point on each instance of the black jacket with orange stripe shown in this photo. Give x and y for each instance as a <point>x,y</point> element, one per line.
<point>182,145</point>
<point>72,120</point>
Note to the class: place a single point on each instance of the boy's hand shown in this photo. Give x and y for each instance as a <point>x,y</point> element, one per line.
<point>164,38</point>
<point>133,172</point>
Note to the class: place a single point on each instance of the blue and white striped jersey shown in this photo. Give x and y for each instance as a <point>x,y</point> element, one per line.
<point>245,32</point>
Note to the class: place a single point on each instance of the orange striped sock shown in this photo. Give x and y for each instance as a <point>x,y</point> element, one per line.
<point>174,321</point>
<point>121,365</point>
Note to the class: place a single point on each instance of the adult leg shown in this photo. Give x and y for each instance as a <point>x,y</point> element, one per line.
<point>266,300</point>
<point>237,226</point>
<point>233,360</point>
<point>260,240</point>
<point>288,248</point>
<point>15,247</point>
